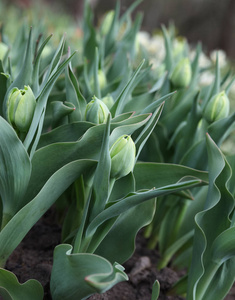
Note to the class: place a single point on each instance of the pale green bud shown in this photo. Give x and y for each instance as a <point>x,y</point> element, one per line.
<point>179,47</point>
<point>96,111</point>
<point>3,50</point>
<point>217,108</point>
<point>107,22</point>
<point>122,155</point>
<point>108,101</point>
<point>101,80</point>
<point>182,73</point>
<point>20,108</point>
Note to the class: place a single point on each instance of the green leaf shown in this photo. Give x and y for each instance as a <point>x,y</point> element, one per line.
<point>211,223</point>
<point>25,75</point>
<point>35,76</point>
<point>3,86</point>
<point>149,175</point>
<point>16,229</point>
<point>223,247</point>
<point>11,289</point>
<point>155,290</point>
<point>15,171</point>
<point>148,129</point>
<point>77,276</point>
<point>74,95</point>
<point>119,103</point>
<point>102,175</point>
<point>42,101</point>
<point>122,205</point>
<point>119,244</point>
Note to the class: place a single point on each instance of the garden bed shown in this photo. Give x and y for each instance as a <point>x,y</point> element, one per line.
<point>33,259</point>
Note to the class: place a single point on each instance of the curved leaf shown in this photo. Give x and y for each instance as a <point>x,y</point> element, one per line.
<point>212,222</point>
<point>77,276</point>
<point>11,289</point>
<point>119,244</point>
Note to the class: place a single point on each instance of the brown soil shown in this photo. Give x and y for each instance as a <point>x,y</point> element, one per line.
<point>33,259</point>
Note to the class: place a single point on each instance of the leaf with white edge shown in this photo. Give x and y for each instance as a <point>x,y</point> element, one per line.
<point>155,290</point>
<point>77,276</point>
<point>209,259</point>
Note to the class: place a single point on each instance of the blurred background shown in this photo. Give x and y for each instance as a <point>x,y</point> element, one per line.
<point>210,21</point>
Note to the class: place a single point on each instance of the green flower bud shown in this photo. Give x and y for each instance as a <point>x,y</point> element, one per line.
<point>107,22</point>
<point>108,101</point>
<point>96,111</point>
<point>122,155</point>
<point>3,50</point>
<point>217,108</point>
<point>101,79</point>
<point>20,108</point>
<point>182,73</point>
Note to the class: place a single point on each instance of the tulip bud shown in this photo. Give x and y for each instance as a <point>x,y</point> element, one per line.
<point>96,111</point>
<point>101,79</point>
<point>217,108</point>
<point>3,50</point>
<point>122,155</point>
<point>20,108</point>
<point>108,101</point>
<point>182,73</point>
<point>107,22</point>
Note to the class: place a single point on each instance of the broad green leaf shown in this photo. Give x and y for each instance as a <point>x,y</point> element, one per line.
<point>16,229</point>
<point>60,110</point>
<point>77,276</point>
<point>223,247</point>
<point>54,156</point>
<point>222,282</point>
<point>119,244</point>
<point>15,171</point>
<point>211,223</point>
<point>130,201</point>
<point>149,175</point>
<point>11,289</point>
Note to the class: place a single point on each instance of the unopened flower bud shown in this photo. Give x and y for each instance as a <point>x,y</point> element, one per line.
<point>96,111</point>
<point>217,108</point>
<point>20,108</point>
<point>101,80</point>
<point>122,155</point>
<point>108,101</point>
<point>182,73</point>
<point>107,22</point>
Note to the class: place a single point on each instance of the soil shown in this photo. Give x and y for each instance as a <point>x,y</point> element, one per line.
<point>33,259</point>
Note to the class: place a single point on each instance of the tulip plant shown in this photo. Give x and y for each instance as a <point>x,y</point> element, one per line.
<point>119,147</point>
